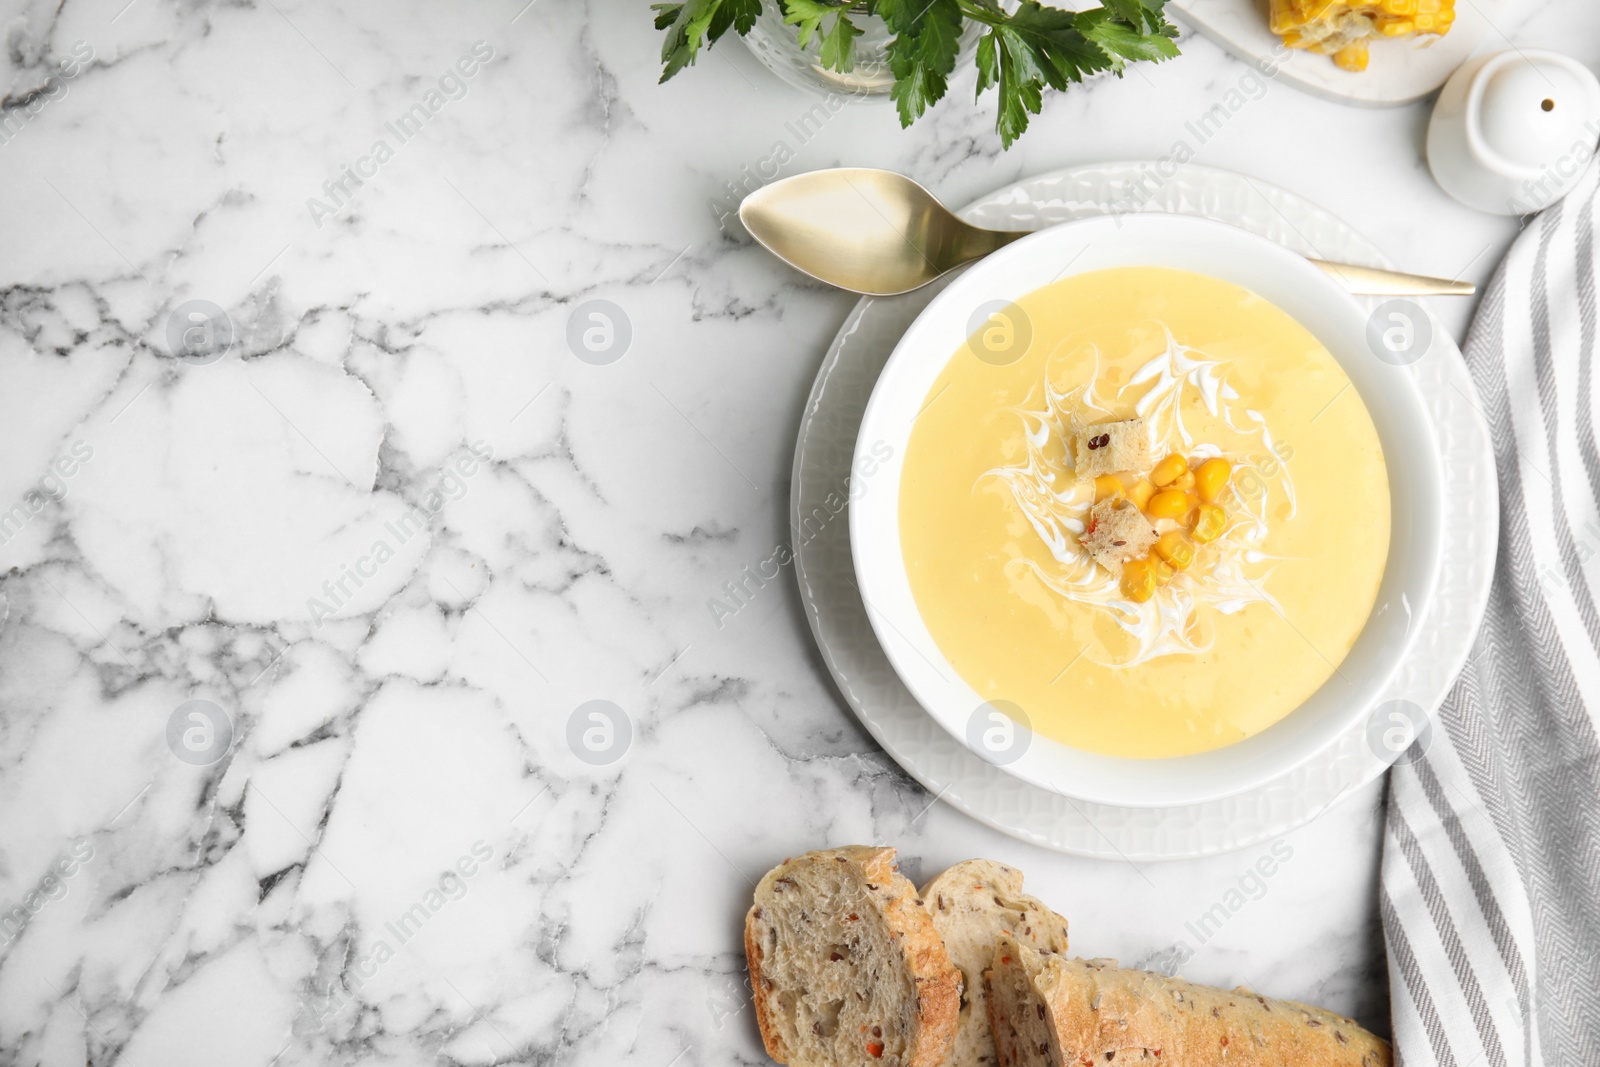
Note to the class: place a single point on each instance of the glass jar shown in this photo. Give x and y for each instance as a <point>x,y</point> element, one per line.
<point>777,45</point>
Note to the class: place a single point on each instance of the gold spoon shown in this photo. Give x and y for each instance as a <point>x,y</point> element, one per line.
<point>879,233</point>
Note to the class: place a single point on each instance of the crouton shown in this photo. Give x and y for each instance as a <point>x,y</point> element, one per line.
<point>1117,532</point>
<point>1109,447</point>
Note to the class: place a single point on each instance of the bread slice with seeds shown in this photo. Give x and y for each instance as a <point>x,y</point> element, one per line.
<point>973,904</point>
<point>1048,1011</point>
<point>1109,447</point>
<point>846,966</point>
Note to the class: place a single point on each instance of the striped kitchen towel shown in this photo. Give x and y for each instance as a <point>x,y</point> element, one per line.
<point>1490,892</point>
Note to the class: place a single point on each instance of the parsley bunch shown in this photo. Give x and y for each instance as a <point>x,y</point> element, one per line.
<point>1020,52</point>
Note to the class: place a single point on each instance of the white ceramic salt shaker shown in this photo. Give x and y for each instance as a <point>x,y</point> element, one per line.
<point>1512,132</point>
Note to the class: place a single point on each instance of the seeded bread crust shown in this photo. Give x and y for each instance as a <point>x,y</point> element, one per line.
<point>972,904</point>
<point>1109,447</point>
<point>1048,1011</point>
<point>846,967</point>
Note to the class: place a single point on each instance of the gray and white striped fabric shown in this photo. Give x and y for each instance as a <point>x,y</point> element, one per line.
<point>1490,890</point>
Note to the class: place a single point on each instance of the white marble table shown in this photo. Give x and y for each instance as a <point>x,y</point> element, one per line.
<point>400,532</point>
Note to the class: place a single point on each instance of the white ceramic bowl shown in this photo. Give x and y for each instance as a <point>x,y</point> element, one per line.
<point>1321,306</point>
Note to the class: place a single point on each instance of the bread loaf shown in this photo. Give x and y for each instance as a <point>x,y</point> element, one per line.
<point>1048,1011</point>
<point>846,966</point>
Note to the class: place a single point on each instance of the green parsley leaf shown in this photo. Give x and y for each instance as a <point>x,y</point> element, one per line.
<point>1019,54</point>
<point>1047,46</point>
<point>923,52</point>
<point>1019,94</point>
<point>1124,41</point>
<point>738,14</point>
<point>988,59</point>
<point>1146,14</point>
<point>839,46</point>
<point>837,50</point>
<point>692,23</point>
<point>1037,46</point>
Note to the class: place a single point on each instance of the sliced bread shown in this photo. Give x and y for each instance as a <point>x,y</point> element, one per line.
<point>846,966</point>
<point>1048,1011</point>
<point>973,904</point>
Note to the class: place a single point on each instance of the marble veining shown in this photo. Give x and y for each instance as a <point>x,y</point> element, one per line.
<point>361,694</point>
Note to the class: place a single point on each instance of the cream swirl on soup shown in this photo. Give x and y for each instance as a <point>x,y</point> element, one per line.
<point>1056,502</point>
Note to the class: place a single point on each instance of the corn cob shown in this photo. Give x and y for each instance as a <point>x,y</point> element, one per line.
<point>1343,28</point>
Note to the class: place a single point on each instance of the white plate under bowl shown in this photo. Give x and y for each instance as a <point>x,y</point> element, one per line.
<point>826,573</point>
<point>1202,246</point>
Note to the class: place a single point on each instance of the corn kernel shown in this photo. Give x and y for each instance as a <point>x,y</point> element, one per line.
<point>1176,549</point>
<point>1141,493</point>
<point>1352,57</point>
<point>1183,482</point>
<point>1168,504</point>
<point>1207,522</point>
<point>1212,478</point>
<point>1159,567</point>
<point>1138,583</point>
<point>1106,486</point>
<point>1168,469</point>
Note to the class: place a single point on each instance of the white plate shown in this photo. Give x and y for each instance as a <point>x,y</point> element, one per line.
<point>1309,296</point>
<point>833,605</point>
<point>1399,71</point>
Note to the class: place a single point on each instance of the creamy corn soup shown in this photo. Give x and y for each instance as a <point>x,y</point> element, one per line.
<point>1192,596</point>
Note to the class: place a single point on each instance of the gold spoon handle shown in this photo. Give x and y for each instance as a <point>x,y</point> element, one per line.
<point>1374,281</point>
<point>1357,281</point>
